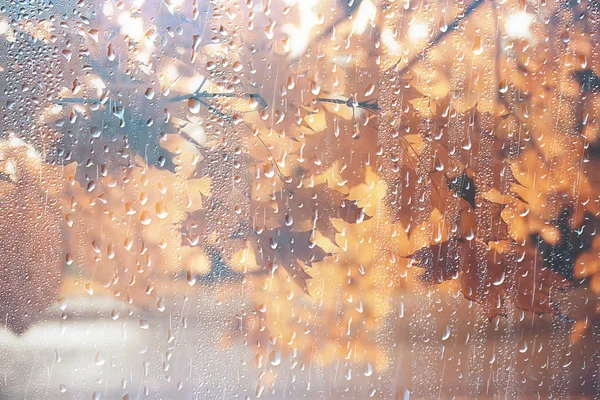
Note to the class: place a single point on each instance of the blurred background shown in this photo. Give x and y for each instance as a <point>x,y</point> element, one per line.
<point>215,199</point>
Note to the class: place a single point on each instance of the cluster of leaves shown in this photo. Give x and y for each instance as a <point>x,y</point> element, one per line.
<point>497,176</point>
<point>185,194</point>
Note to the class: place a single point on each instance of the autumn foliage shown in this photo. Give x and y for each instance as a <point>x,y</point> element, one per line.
<point>372,153</point>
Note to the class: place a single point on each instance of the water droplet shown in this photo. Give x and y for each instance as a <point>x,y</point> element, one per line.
<point>477,45</point>
<point>160,304</point>
<point>442,25</point>
<point>194,105</point>
<point>503,86</point>
<point>275,357</point>
<point>111,54</point>
<point>145,218</point>
<point>100,359</point>
<point>190,277</point>
<point>149,93</point>
<point>161,210</point>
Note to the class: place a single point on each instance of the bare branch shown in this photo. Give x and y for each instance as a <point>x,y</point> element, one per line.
<point>453,25</point>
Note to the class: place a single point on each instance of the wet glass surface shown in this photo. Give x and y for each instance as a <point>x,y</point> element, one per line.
<point>283,199</point>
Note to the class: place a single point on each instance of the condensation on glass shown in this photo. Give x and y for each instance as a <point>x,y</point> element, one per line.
<point>283,199</point>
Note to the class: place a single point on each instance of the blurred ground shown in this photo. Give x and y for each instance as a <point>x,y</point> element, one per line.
<point>99,352</point>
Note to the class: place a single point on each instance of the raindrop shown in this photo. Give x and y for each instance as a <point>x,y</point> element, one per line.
<point>161,210</point>
<point>145,218</point>
<point>503,86</point>
<point>275,357</point>
<point>446,333</point>
<point>100,359</point>
<point>194,105</point>
<point>150,93</point>
<point>111,54</point>
<point>160,304</point>
<point>67,54</point>
<point>477,45</point>
<point>190,278</point>
<point>443,26</point>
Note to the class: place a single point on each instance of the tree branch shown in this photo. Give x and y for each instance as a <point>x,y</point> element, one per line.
<point>455,24</point>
